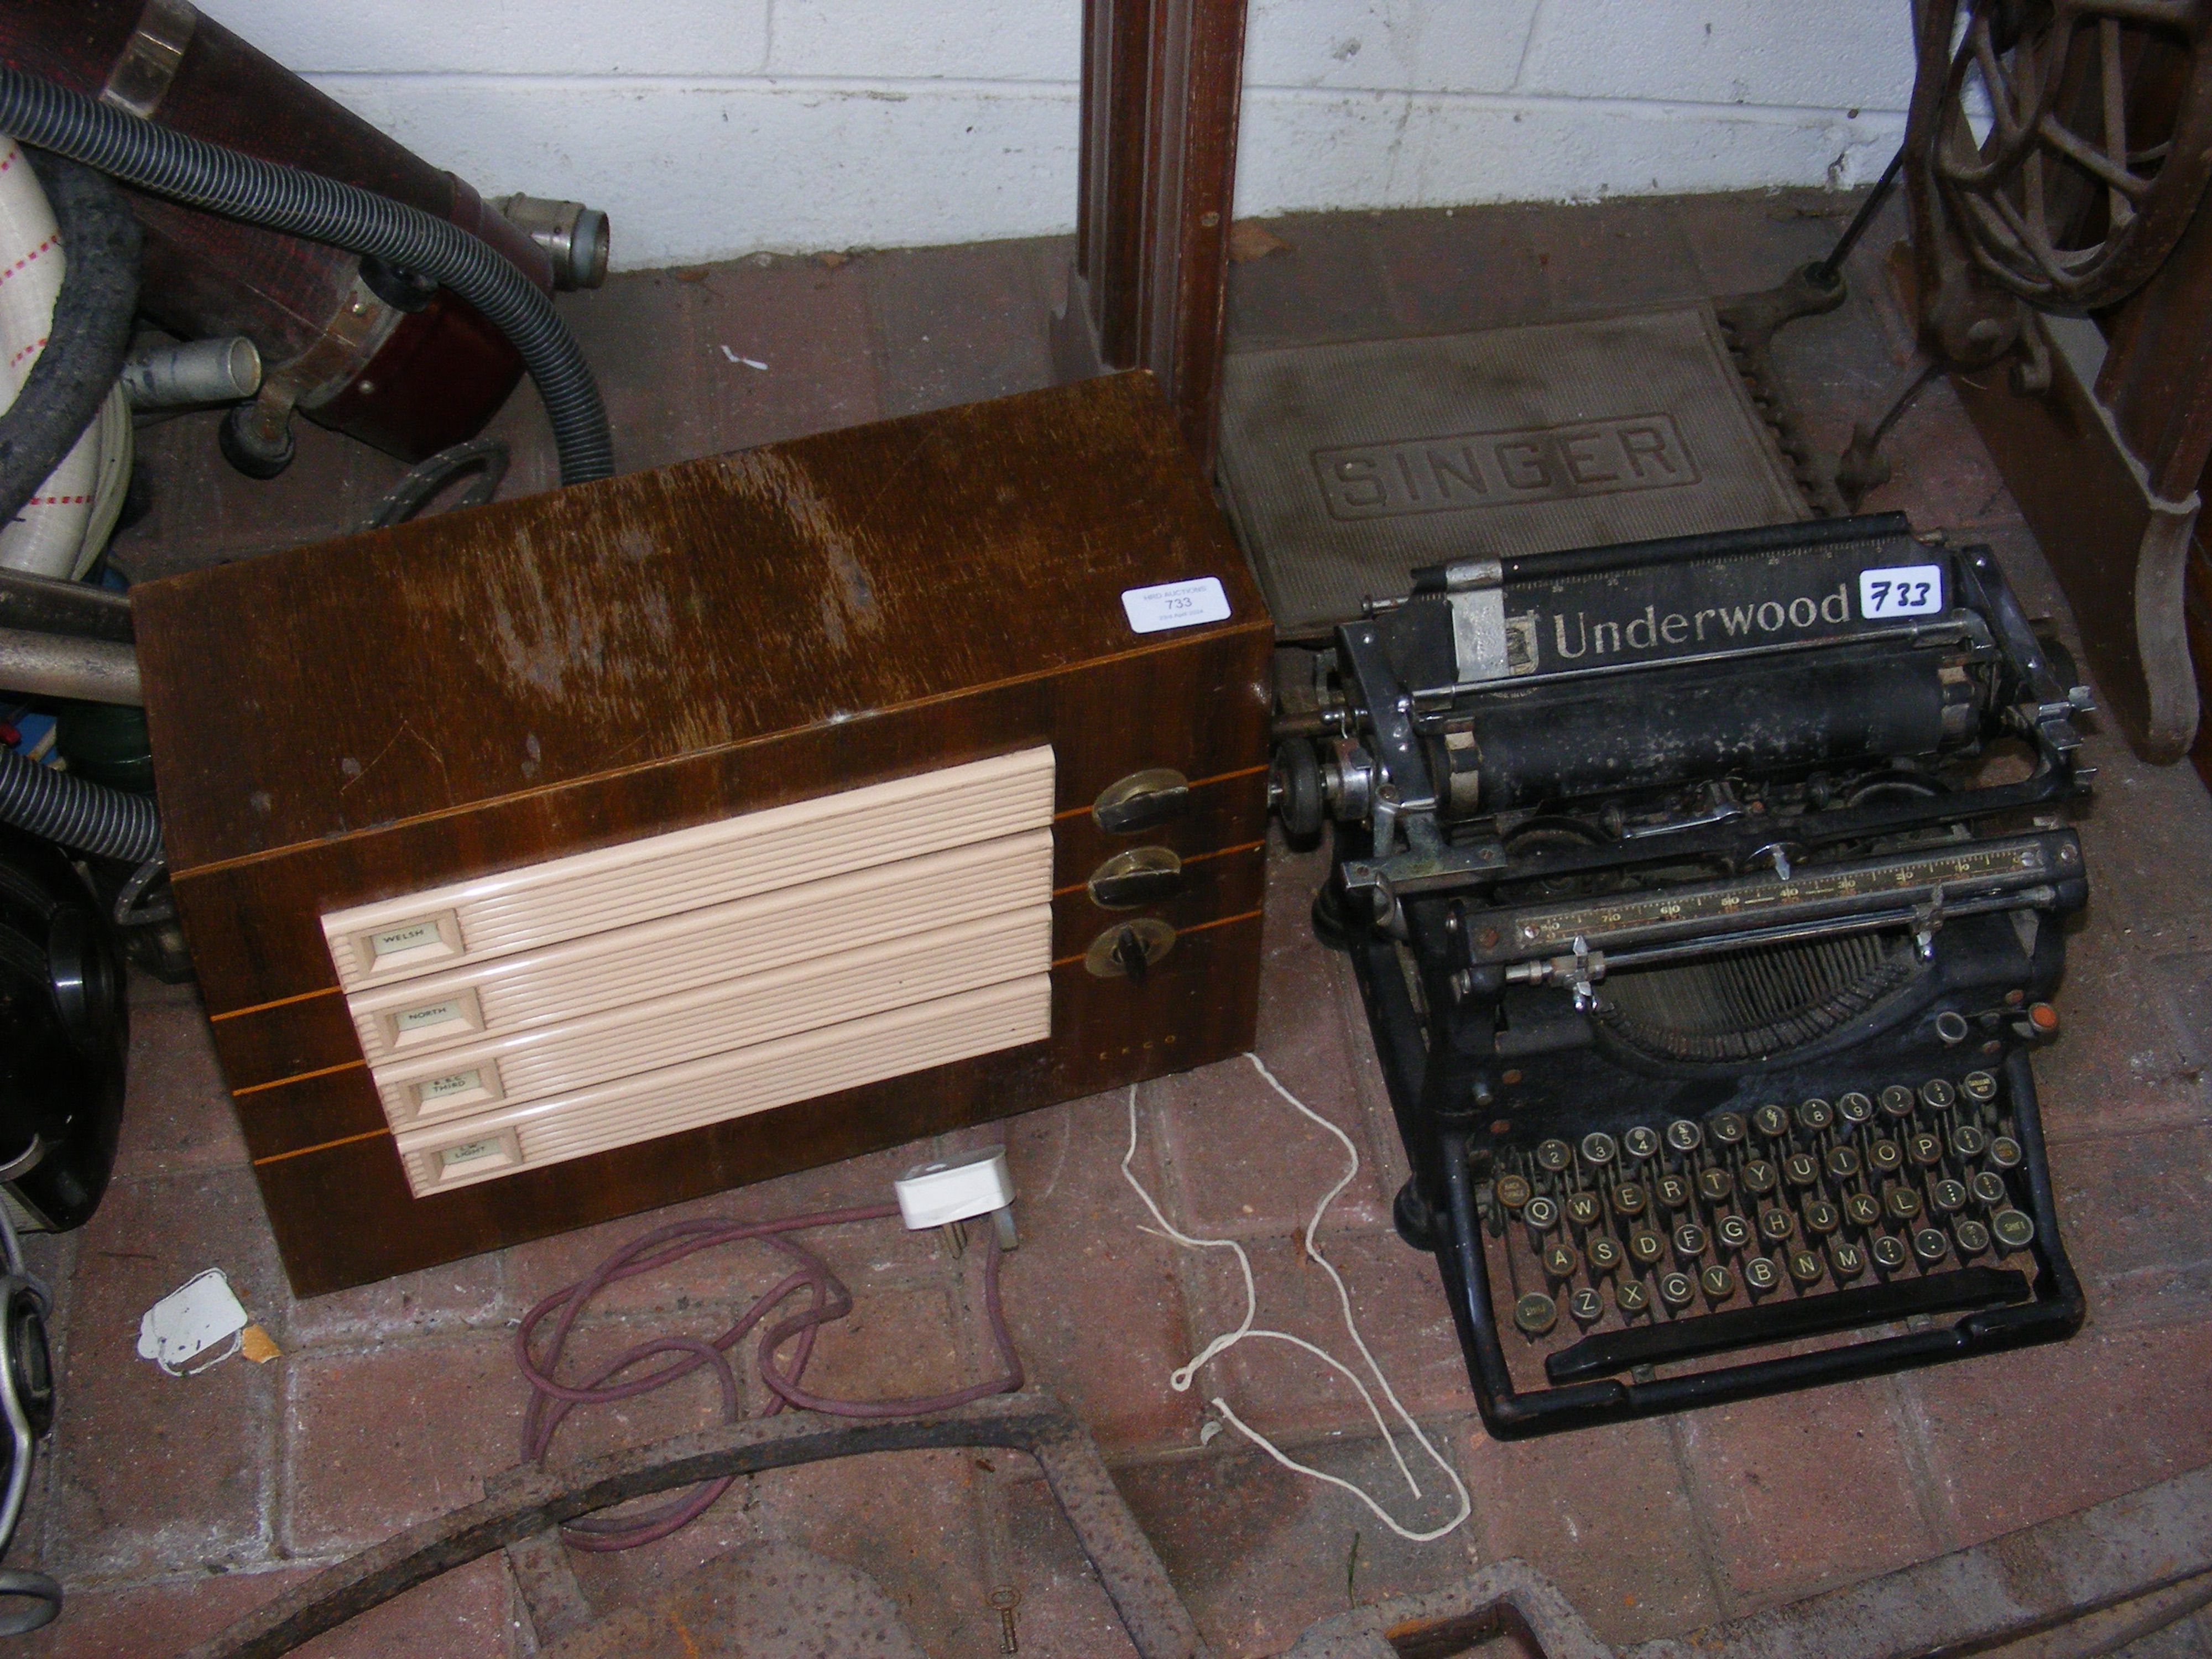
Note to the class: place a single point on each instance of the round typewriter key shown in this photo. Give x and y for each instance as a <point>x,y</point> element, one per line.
<point>1863,1208</point>
<point>1980,1087</point>
<point>1553,1156</point>
<point>1604,1253</point>
<point>1759,1177</point>
<point>1597,1148</point>
<point>1843,1163</point>
<point>1586,1305</point>
<point>1937,1095</point>
<point>1583,1209</point>
<point>1814,1115</point>
<point>1676,1290</point>
<point>1760,1275</point>
<point>1947,1197</point>
<point>1927,1151</point>
<point>1801,1169</point>
<point>1733,1231</point>
<point>1886,1156</point>
<point>1968,1141</point>
<point>1646,1248</point>
<point>1989,1189</point>
<point>1903,1203</point>
<point>1673,1191</point>
<point>1930,1244</point>
<point>1888,1253</point>
<point>1846,1260</point>
<point>1853,1108</point>
<point>1628,1199</point>
<point>1640,1142</point>
<point>2005,1152</point>
<point>1822,1217</point>
<point>1535,1313</point>
<point>1776,1223</point>
<point>1806,1266</point>
<point>1726,1129</point>
<point>1560,1261</point>
<point>1690,1241</point>
<point>1630,1296</point>
<point>1714,1185</point>
<point>1897,1100</point>
<point>1717,1282</point>
<point>2015,1230</point>
<point>1513,1191</point>
<point>1684,1136</point>
<point>1972,1237</point>
<point>1771,1122</point>
<point>1541,1213</point>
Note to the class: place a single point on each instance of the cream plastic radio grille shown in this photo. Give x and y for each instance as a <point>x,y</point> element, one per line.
<point>687,869</point>
<point>631,991</point>
<point>581,977</point>
<point>724,1086</point>
<point>547,1060</point>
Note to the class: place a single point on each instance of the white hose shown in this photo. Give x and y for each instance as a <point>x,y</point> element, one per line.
<point>63,527</point>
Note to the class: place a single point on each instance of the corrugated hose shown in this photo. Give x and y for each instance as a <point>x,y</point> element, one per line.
<point>77,812</point>
<point>198,174</point>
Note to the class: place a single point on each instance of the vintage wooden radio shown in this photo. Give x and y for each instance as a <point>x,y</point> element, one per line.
<point>564,857</point>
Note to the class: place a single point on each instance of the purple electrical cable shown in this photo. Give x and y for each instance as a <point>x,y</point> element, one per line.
<point>550,1402</point>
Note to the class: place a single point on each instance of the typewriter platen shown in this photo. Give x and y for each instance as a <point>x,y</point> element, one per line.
<point>1705,897</point>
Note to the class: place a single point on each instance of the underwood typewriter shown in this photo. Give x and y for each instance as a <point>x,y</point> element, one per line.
<point>1705,895</point>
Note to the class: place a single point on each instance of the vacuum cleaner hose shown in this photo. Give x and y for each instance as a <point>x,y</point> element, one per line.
<point>77,812</point>
<point>89,336</point>
<point>198,174</point>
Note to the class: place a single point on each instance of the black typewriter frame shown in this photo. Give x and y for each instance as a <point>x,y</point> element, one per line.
<point>1454,1234</point>
<point>1439,1072</point>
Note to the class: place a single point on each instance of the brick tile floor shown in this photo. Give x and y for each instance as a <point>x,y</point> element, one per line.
<point>171,1505</point>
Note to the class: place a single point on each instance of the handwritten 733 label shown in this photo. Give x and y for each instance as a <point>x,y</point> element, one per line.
<point>1905,589</point>
<point>1175,604</point>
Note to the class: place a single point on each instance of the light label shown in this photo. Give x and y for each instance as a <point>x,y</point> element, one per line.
<point>471,1151</point>
<point>431,1014</point>
<point>454,1083</point>
<point>411,936</point>
<point>1905,589</point>
<point>1175,604</point>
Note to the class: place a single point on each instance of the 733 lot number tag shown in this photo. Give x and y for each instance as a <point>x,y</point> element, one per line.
<point>1904,590</point>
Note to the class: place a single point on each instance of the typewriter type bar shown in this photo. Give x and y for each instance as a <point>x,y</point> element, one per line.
<point>1706,946</point>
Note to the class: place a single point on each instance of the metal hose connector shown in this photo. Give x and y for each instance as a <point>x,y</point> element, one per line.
<point>198,174</point>
<point>77,812</point>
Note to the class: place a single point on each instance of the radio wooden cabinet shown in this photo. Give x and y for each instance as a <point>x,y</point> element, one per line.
<point>565,857</point>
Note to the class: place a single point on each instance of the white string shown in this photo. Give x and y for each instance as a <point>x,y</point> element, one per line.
<point>1180,1379</point>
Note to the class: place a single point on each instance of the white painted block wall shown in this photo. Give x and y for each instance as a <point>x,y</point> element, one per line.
<point>711,128</point>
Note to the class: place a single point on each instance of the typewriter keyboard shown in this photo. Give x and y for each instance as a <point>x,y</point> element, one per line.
<point>1672,1219</point>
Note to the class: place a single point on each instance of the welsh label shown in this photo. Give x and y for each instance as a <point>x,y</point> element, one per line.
<point>1175,604</point>
<point>411,936</point>
<point>1903,590</point>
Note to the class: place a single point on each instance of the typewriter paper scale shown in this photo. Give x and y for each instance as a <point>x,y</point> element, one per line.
<point>615,996</point>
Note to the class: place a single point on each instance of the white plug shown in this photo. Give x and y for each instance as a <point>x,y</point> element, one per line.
<point>946,1193</point>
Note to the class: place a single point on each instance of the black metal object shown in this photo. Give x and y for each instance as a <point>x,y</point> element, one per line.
<point>42,604</point>
<point>1825,273</point>
<point>1729,848</point>
<point>534,1501</point>
<point>65,1034</point>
